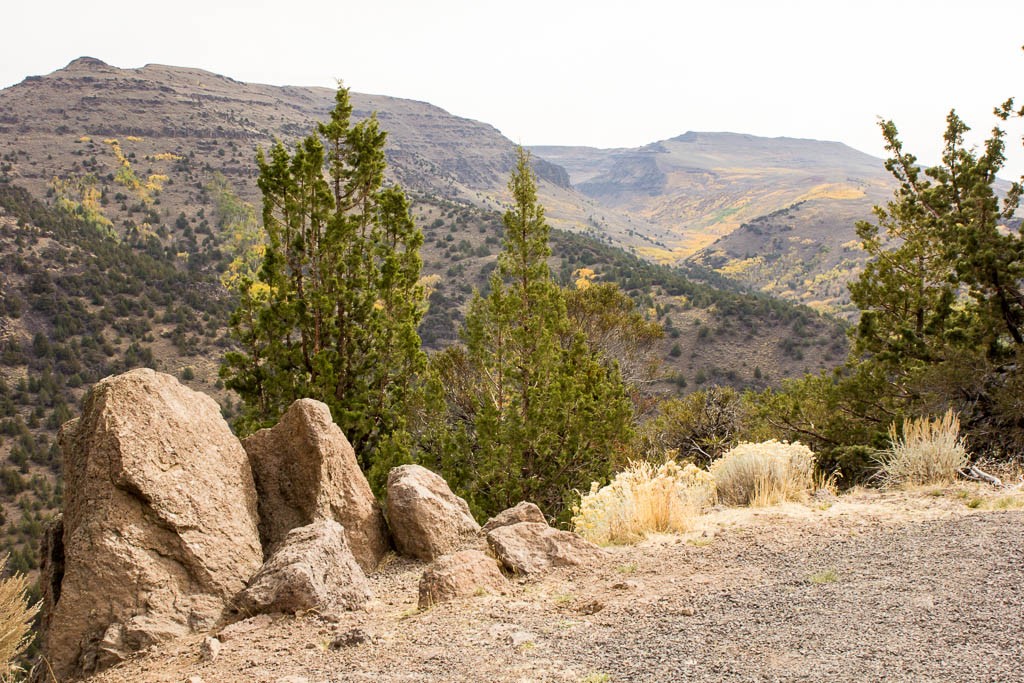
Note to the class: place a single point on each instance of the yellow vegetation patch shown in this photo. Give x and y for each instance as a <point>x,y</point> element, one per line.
<point>832,191</point>
<point>133,138</point>
<point>166,156</point>
<point>741,266</point>
<point>85,138</point>
<point>659,255</point>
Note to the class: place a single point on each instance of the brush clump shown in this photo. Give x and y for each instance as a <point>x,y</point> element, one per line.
<point>924,452</point>
<point>764,473</point>
<point>644,499</point>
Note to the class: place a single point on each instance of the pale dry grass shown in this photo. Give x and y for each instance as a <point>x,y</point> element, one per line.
<point>643,500</point>
<point>16,617</point>
<point>762,474</point>
<point>928,452</point>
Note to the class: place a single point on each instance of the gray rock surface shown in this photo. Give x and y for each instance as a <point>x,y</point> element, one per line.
<point>523,512</point>
<point>530,548</point>
<point>427,520</point>
<point>305,470</point>
<point>459,575</point>
<point>311,570</point>
<point>159,523</point>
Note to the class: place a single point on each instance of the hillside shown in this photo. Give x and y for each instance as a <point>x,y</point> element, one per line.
<point>715,199</point>
<point>125,193</point>
<point>870,586</point>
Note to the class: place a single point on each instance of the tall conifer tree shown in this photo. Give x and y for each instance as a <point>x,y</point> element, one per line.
<point>332,312</point>
<point>536,410</point>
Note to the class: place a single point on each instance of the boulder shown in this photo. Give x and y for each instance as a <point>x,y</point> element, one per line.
<point>311,570</point>
<point>532,548</point>
<point>305,471</point>
<point>460,575</point>
<point>523,512</point>
<point>427,520</point>
<point>159,523</point>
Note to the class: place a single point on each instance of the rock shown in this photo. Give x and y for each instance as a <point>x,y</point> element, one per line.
<point>427,520</point>
<point>305,471</point>
<point>159,523</point>
<point>520,638</point>
<point>459,575</point>
<point>532,548</point>
<point>209,650</point>
<point>523,512</point>
<point>351,638</point>
<point>312,569</point>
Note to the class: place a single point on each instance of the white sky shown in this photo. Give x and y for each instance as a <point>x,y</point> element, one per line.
<point>597,73</point>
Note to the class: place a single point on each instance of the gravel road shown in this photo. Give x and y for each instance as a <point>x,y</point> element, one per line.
<point>872,587</point>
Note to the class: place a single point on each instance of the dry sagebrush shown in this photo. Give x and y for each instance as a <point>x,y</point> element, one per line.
<point>764,473</point>
<point>641,500</point>
<point>927,452</point>
<point>16,617</point>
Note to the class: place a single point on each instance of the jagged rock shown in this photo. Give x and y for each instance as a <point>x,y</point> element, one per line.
<point>209,650</point>
<point>532,548</point>
<point>523,512</point>
<point>459,575</point>
<point>159,523</point>
<point>427,520</point>
<point>312,569</point>
<point>305,470</point>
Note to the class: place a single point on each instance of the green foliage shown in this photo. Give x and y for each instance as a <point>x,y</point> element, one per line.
<point>333,310</point>
<point>698,427</point>
<point>531,412</point>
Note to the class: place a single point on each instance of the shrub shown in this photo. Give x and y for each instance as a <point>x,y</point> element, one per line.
<point>764,473</point>
<point>643,499</point>
<point>928,452</point>
<point>16,617</point>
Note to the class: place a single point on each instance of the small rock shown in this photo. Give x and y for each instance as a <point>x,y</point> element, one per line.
<point>523,512</point>
<point>209,650</point>
<point>351,638</point>
<point>520,638</point>
<point>529,548</point>
<point>427,520</point>
<point>459,575</point>
<point>626,585</point>
<point>687,611</point>
<point>590,607</point>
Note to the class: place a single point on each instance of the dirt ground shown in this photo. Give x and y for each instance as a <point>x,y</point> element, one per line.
<point>871,586</point>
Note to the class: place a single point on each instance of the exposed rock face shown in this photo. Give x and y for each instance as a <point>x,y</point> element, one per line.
<point>532,548</point>
<point>427,520</point>
<point>305,470</point>
<point>312,569</point>
<point>459,575</point>
<point>159,524</point>
<point>523,512</point>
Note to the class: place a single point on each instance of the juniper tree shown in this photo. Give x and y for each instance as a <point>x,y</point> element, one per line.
<point>533,411</point>
<point>333,309</point>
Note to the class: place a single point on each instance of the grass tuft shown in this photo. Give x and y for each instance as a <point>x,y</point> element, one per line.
<point>16,615</point>
<point>928,452</point>
<point>765,473</point>
<point>641,500</point>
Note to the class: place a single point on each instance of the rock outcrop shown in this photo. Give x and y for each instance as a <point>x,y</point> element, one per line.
<point>305,471</point>
<point>159,526</point>
<point>459,575</point>
<point>523,512</point>
<point>311,570</point>
<point>427,520</point>
<point>530,548</point>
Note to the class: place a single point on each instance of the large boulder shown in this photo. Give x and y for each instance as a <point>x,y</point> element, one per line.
<point>159,523</point>
<point>311,570</point>
<point>427,520</point>
<point>529,548</point>
<point>523,512</point>
<point>460,575</point>
<point>305,471</point>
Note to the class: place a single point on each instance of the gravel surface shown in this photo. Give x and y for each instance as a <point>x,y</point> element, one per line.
<point>875,586</point>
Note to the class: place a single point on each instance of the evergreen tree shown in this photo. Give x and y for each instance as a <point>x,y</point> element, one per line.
<point>533,411</point>
<point>332,311</point>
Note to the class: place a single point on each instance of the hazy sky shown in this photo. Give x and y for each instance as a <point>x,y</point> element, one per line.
<point>604,74</point>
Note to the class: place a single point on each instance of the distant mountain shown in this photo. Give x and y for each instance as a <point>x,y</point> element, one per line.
<point>718,199</point>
